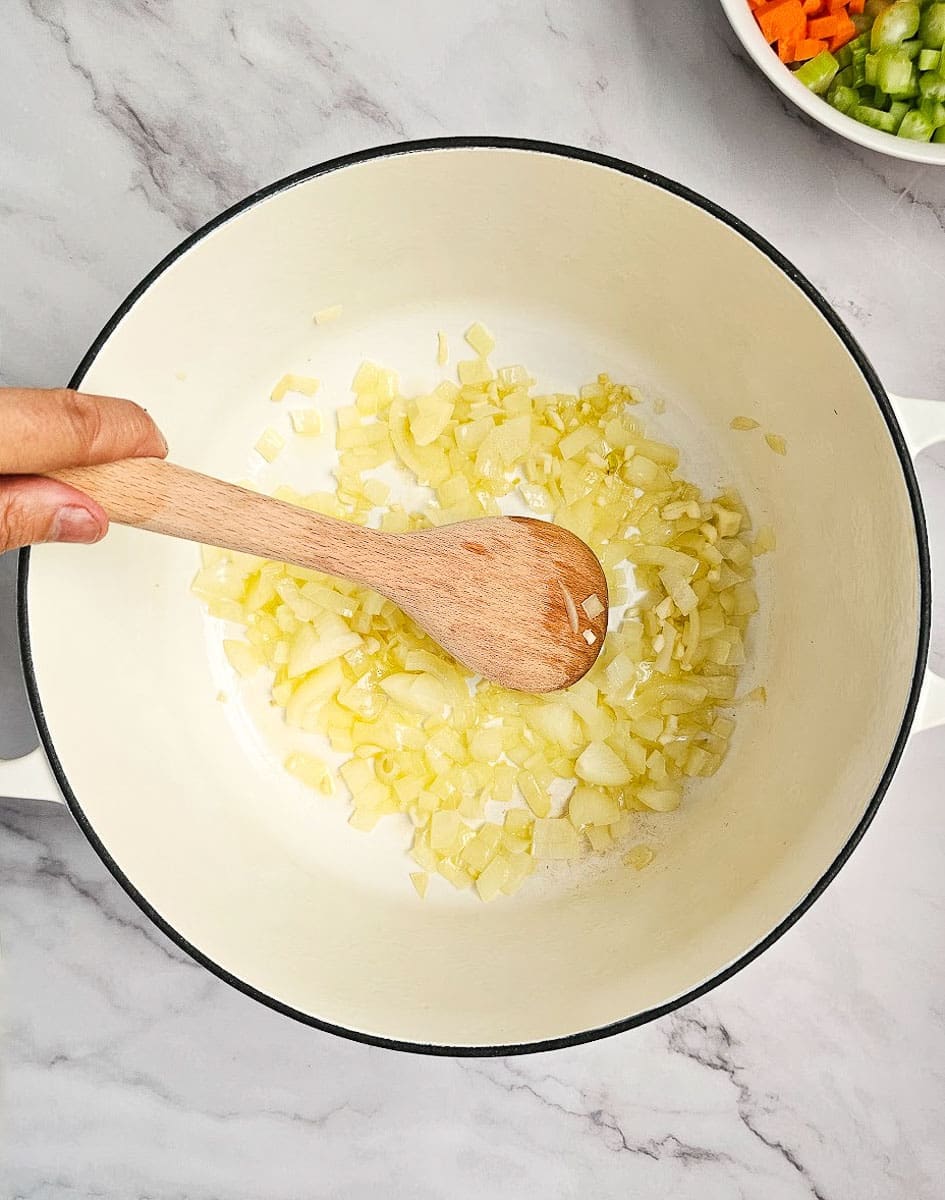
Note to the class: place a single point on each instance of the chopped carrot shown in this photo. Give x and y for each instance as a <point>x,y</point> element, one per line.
<point>781,19</point>
<point>823,27</point>
<point>840,40</point>
<point>808,48</point>
<point>846,28</point>
<point>800,29</point>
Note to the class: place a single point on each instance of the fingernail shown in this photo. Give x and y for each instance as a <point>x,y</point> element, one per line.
<point>75,524</point>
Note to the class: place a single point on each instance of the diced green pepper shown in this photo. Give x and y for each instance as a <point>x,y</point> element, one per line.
<point>844,56</point>
<point>895,24</point>
<point>929,60</point>
<point>818,73</point>
<point>931,86</point>
<point>843,98</point>
<point>894,71</point>
<point>898,110</point>
<point>871,69</point>
<point>915,127</point>
<point>873,117</point>
<point>934,112</point>
<point>932,27</point>
<point>939,135</point>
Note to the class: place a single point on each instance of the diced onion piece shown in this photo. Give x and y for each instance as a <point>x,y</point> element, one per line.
<point>536,797</point>
<point>480,339</point>
<point>777,443</point>
<point>599,764</point>
<point>570,608</point>
<point>481,849</point>
<point>765,540</point>
<point>599,837</point>
<point>660,799</point>
<point>472,371</point>
<point>592,606</point>
<point>590,806</point>
<point>555,837</point>
<point>304,385</point>
<point>493,878</point>
<point>243,658</point>
<point>520,866</point>
<point>420,881</point>
<point>518,822</point>
<point>331,313</point>
<point>310,650</point>
<point>428,417</point>
<point>486,744</point>
<point>307,422</point>
<point>311,693</point>
<point>457,876</point>
<point>743,423</point>
<point>312,771</point>
<point>577,441</point>
<point>442,349</point>
<point>638,857</point>
<point>421,694</point>
<point>444,830</point>
<point>270,445</point>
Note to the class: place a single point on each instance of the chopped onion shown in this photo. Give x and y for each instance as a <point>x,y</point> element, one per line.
<point>423,739</point>
<point>306,422</point>
<point>270,445</point>
<point>639,857</point>
<point>592,606</point>
<point>598,763</point>
<point>304,385</point>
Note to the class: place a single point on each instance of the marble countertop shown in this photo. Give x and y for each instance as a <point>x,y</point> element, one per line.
<point>127,1071</point>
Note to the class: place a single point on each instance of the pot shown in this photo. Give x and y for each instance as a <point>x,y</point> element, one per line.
<point>578,263</point>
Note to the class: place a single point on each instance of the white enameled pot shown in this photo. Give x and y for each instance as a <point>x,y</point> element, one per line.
<point>579,264</point>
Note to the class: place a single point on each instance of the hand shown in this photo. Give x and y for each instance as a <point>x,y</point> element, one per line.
<point>48,430</point>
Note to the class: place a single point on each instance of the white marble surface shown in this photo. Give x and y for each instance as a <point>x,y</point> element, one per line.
<point>129,1073</point>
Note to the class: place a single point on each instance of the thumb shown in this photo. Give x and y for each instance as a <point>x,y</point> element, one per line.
<point>35,509</point>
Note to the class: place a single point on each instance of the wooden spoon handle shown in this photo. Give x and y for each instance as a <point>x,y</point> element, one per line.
<point>149,493</point>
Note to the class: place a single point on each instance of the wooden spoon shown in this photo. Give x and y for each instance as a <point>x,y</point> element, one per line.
<point>502,594</point>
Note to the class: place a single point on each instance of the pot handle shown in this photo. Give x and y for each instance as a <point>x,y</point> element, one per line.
<point>29,778</point>
<point>26,775</point>
<point>923,424</point>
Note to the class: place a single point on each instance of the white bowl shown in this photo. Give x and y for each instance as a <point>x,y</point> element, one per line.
<point>746,27</point>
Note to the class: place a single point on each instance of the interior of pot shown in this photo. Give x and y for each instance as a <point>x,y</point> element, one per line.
<point>577,268</point>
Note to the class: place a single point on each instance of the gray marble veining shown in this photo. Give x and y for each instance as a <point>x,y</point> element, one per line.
<point>126,1070</point>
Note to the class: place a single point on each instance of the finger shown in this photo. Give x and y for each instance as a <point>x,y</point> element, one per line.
<point>45,430</point>
<point>44,510</point>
